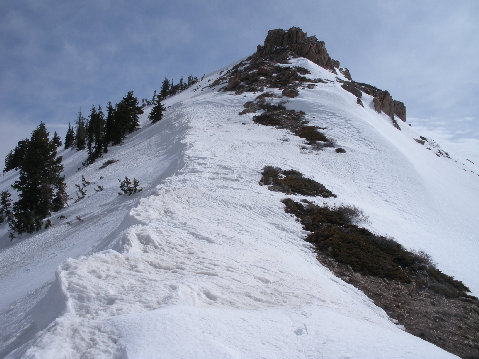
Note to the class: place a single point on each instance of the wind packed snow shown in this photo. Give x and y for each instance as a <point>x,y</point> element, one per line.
<point>205,263</point>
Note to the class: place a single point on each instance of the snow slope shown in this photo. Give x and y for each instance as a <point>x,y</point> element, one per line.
<point>204,262</point>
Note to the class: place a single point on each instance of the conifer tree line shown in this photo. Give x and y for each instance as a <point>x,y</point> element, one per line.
<point>99,131</point>
<point>168,88</point>
<point>41,185</point>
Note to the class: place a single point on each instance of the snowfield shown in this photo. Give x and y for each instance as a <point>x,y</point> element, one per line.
<point>205,263</point>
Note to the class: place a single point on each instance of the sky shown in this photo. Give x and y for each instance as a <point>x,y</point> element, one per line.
<point>60,57</point>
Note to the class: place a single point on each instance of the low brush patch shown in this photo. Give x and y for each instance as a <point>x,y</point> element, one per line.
<point>334,232</point>
<point>292,182</point>
<point>407,285</point>
<point>107,163</point>
<point>279,117</point>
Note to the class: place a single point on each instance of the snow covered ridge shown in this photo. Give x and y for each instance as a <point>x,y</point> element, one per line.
<point>204,262</point>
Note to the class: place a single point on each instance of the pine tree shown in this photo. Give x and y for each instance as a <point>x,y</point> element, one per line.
<point>80,139</point>
<point>99,131</point>
<point>192,80</point>
<point>133,110</point>
<point>172,89</point>
<point>40,176</point>
<point>57,140</point>
<point>182,85</point>
<point>5,207</point>
<point>110,127</point>
<point>15,157</point>
<point>69,137</point>
<point>165,88</point>
<point>95,134</point>
<point>156,113</point>
<point>89,129</point>
<point>122,123</point>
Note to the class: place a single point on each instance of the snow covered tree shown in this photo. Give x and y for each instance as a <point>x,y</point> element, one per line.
<point>156,113</point>
<point>80,139</point>
<point>69,137</point>
<point>40,183</point>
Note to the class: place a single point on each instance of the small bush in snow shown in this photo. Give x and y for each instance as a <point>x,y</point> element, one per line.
<point>127,187</point>
<point>107,163</point>
<point>82,188</point>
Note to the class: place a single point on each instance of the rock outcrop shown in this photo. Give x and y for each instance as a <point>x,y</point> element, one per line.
<point>260,71</point>
<point>295,42</point>
<point>382,99</point>
<point>384,102</point>
<point>400,110</point>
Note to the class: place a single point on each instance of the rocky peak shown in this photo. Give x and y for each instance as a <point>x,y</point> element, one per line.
<point>259,71</point>
<point>295,42</point>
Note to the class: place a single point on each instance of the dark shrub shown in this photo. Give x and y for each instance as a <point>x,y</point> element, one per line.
<point>335,234</point>
<point>278,116</point>
<point>293,182</point>
<point>128,187</point>
<point>107,163</point>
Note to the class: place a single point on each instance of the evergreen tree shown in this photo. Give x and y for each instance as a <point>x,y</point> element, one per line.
<point>99,131</point>
<point>172,89</point>
<point>182,85</point>
<point>5,207</point>
<point>61,196</point>
<point>41,185</point>
<point>165,88</point>
<point>122,123</point>
<point>90,130</point>
<point>133,111</point>
<point>110,127</point>
<point>95,134</point>
<point>122,119</point>
<point>15,157</point>
<point>69,137</point>
<point>192,80</point>
<point>127,114</point>
<point>57,140</point>
<point>80,138</point>
<point>156,113</point>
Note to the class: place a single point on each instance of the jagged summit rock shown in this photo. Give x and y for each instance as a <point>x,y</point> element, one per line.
<point>295,42</point>
<point>280,44</point>
<point>261,71</point>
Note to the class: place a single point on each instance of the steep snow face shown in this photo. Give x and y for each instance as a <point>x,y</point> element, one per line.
<point>205,263</point>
